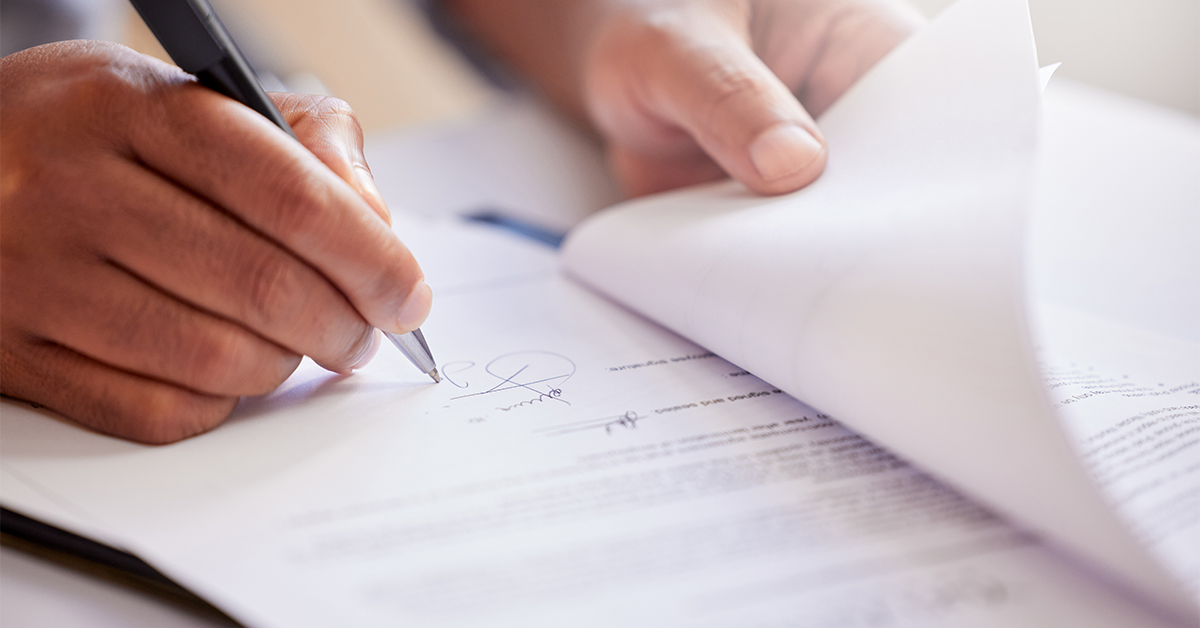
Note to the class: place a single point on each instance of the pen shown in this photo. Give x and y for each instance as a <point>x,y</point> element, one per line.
<point>191,32</point>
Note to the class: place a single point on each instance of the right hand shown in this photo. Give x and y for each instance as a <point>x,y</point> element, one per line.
<point>165,250</point>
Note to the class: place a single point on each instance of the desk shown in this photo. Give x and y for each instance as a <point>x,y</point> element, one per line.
<point>34,592</point>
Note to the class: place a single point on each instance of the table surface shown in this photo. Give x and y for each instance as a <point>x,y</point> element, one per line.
<point>35,592</point>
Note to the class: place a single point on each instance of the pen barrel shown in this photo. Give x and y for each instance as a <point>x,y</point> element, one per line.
<point>198,42</point>
<point>234,78</point>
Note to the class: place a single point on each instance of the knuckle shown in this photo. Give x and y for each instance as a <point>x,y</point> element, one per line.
<point>268,374</point>
<point>328,126</point>
<point>668,42</point>
<point>157,415</point>
<point>215,363</point>
<point>631,35</point>
<point>733,83</point>
<point>268,283</point>
<point>23,184</point>
<point>361,337</point>
<point>97,94</point>
<point>106,83</point>
<point>161,414</point>
<point>299,202</point>
<point>336,120</point>
<point>236,363</point>
<point>658,28</point>
<point>283,367</point>
<point>341,125</point>
<point>117,78</point>
<point>332,107</point>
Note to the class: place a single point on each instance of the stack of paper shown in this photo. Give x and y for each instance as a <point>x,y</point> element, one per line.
<point>676,463</point>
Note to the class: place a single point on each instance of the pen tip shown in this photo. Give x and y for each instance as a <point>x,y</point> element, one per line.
<point>437,379</point>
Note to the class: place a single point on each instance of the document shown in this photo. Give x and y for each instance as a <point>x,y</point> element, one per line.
<point>1132,405</point>
<point>579,464</point>
<point>889,293</point>
<point>803,417</point>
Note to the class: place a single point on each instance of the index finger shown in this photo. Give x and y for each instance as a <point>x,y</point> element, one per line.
<point>241,162</point>
<point>328,128</point>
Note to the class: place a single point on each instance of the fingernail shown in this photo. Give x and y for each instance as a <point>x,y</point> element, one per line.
<point>416,307</point>
<point>784,150</point>
<point>368,353</point>
<point>370,191</point>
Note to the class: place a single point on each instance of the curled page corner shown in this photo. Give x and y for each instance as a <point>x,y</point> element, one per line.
<point>888,293</point>
<point>1046,72</point>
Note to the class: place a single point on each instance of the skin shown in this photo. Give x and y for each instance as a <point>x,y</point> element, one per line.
<point>688,91</point>
<point>165,250</point>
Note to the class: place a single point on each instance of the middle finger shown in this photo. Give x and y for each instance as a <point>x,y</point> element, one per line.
<point>190,249</point>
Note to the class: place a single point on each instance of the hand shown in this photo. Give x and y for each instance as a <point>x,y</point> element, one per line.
<point>165,250</point>
<point>687,91</point>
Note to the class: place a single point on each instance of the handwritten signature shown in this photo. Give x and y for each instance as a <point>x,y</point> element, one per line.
<point>542,373</point>
<point>629,420</point>
<point>554,394</point>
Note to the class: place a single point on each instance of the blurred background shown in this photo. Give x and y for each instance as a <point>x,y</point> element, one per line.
<point>382,56</point>
<point>1148,49</point>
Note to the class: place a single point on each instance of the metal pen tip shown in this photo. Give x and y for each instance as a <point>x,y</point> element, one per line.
<point>413,346</point>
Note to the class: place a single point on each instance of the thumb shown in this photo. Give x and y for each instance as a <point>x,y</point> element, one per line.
<point>328,128</point>
<point>701,76</point>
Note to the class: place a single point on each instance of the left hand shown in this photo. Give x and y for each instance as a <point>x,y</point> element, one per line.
<point>687,91</point>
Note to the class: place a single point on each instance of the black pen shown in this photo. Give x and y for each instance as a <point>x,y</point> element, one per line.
<point>191,32</point>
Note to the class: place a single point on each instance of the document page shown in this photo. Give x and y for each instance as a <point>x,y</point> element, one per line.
<point>888,293</point>
<point>517,158</point>
<point>1114,269</point>
<point>579,465</point>
<point>1131,399</point>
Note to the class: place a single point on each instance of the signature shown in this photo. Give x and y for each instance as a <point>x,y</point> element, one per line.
<point>450,369</point>
<point>541,373</point>
<point>629,420</point>
<point>554,394</point>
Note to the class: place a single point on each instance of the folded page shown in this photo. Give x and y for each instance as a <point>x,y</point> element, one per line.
<point>578,466</point>
<point>1115,279</point>
<point>889,292</point>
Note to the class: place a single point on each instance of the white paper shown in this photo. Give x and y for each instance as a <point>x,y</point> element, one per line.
<point>889,292</point>
<point>1131,400</point>
<point>1116,234</point>
<point>1115,229</point>
<point>517,158</point>
<point>36,593</point>
<point>367,501</point>
<point>579,465</point>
